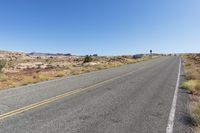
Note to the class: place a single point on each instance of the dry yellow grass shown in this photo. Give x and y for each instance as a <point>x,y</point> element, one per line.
<point>101,66</point>
<point>60,74</point>
<point>34,79</point>
<point>195,112</point>
<point>2,77</point>
<point>192,74</point>
<point>193,86</point>
<point>191,68</point>
<point>28,80</point>
<point>42,77</point>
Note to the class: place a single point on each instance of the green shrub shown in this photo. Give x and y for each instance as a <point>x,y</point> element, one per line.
<point>2,64</point>
<point>87,59</point>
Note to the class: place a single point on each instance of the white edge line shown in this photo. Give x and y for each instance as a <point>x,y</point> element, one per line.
<point>170,124</point>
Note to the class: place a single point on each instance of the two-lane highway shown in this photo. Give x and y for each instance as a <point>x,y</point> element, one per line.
<point>135,98</point>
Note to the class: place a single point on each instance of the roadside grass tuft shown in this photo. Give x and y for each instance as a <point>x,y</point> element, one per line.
<point>74,71</point>
<point>60,74</point>
<point>28,80</point>
<point>100,66</point>
<point>195,113</point>
<point>187,64</point>
<point>190,75</point>
<point>42,77</point>
<point>2,77</point>
<point>193,86</point>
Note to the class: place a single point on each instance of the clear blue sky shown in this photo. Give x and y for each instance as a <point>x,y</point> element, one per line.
<point>105,27</point>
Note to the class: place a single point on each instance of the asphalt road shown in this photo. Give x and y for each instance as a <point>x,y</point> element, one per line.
<point>134,98</point>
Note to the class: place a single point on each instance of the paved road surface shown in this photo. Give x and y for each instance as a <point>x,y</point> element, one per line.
<point>134,98</point>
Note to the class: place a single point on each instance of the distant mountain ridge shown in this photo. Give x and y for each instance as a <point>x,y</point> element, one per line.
<point>47,54</point>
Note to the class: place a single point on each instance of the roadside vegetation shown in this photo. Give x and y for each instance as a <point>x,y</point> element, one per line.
<point>191,63</point>
<point>87,59</point>
<point>2,75</point>
<point>2,64</point>
<point>24,70</point>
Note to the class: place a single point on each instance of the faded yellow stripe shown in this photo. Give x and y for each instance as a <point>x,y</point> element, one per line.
<point>50,100</point>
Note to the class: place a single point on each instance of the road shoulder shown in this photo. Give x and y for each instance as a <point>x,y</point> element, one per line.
<point>183,121</point>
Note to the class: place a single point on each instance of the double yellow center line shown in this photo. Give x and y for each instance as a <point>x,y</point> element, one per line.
<point>52,99</point>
